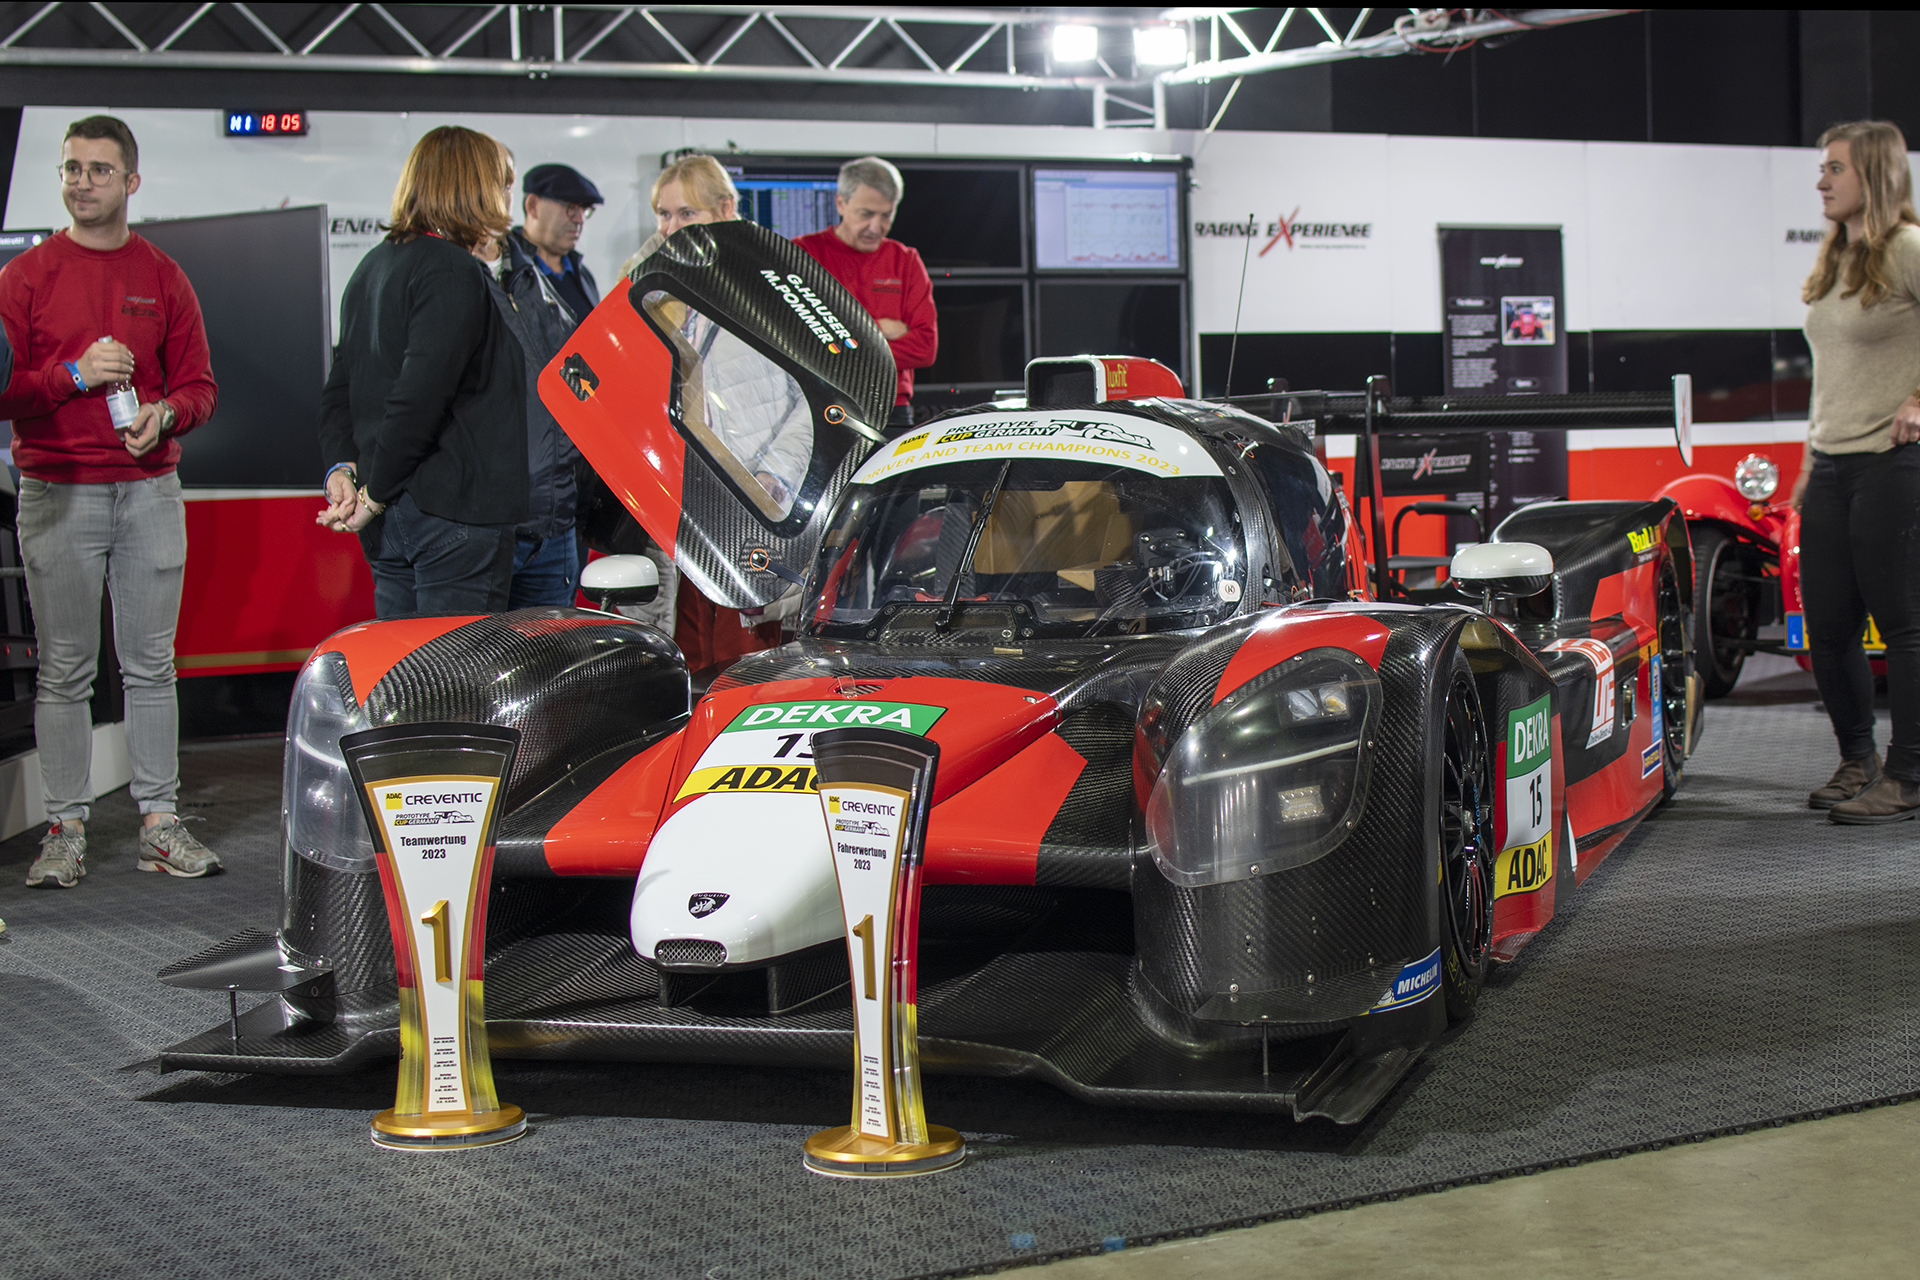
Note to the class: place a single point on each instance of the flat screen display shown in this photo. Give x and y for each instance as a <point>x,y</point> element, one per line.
<point>787,203</point>
<point>962,218</point>
<point>262,283</point>
<point>1116,318</point>
<point>1106,219</point>
<point>983,335</point>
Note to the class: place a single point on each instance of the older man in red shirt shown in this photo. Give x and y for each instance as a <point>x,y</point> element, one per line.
<point>97,315</point>
<point>883,275</point>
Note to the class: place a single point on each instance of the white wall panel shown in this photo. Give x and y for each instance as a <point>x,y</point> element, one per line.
<point>1482,182</point>
<point>1795,208</point>
<point>1680,237</point>
<point>1333,284</point>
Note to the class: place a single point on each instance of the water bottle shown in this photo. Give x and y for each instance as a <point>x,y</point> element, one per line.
<point>122,402</point>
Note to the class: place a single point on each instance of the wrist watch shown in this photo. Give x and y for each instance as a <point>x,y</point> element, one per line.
<point>167,416</point>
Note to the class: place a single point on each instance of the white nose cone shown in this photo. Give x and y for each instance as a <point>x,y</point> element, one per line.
<point>768,856</point>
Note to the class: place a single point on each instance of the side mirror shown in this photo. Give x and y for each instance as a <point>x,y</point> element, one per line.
<point>1502,569</point>
<point>612,581</point>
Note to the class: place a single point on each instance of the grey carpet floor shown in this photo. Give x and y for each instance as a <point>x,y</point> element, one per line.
<point>1740,960</point>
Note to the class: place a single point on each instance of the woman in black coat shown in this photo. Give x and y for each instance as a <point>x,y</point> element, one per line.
<point>423,420</point>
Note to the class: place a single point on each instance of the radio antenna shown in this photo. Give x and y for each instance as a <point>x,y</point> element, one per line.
<point>1233,350</point>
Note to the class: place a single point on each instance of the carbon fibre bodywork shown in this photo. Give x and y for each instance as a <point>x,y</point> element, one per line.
<point>1068,932</point>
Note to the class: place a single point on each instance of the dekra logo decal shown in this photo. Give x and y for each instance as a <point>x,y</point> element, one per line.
<point>1529,737</point>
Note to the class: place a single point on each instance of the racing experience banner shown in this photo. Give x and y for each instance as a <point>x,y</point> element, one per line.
<point>876,788</point>
<point>431,796</point>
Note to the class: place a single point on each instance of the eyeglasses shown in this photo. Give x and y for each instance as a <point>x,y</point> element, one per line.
<point>99,173</point>
<point>581,211</point>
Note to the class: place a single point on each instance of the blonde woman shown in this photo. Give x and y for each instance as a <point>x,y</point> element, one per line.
<point>1860,490</point>
<point>423,420</point>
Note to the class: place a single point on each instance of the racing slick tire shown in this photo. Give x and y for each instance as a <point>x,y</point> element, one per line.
<point>1724,609</point>
<point>1466,839</point>
<point>1674,658</point>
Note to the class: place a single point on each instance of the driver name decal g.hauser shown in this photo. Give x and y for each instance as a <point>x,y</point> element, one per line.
<point>1525,863</point>
<point>767,749</point>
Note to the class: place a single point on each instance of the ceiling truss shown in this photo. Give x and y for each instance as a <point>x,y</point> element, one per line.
<point>950,48</point>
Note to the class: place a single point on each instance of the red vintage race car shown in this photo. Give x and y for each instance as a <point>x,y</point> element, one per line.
<point>1746,572</point>
<point>1211,826</point>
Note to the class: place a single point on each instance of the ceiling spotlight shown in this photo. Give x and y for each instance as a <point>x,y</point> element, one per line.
<point>1073,42</point>
<point>1159,46</point>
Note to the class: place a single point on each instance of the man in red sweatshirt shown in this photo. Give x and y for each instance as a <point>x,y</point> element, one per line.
<point>884,276</point>
<point>88,312</point>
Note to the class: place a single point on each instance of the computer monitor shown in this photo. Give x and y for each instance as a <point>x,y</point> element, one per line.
<point>792,202</point>
<point>1107,219</point>
<point>15,243</point>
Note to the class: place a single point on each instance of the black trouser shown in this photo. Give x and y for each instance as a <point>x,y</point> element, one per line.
<point>1860,554</point>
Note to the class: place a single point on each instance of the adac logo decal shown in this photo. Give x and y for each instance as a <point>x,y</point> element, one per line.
<point>393,799</point>
<point>702,905</point>
<point>815,314</point>
<point>799,779</point>
<point>1523,869</point>
<point>1412,984</point>
<point>1642,540</point>
<point>1105,432</point>
<point>911,442</point>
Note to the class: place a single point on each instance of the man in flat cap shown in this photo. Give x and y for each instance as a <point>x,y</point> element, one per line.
<point>544,292</point>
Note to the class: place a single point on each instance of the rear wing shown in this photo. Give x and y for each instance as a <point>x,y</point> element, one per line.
<point>1366,414</point>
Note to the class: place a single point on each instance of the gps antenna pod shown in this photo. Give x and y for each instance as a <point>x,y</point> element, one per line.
<point>431,794</point>
<point>876,788</point>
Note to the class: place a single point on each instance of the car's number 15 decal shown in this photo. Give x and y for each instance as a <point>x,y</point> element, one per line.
<point>1526,854</point>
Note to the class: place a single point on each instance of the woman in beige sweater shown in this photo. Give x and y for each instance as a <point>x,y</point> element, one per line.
<point>1860,492</point>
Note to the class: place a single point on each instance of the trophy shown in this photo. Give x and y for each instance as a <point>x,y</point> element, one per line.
<point>876,788</point>
<point>431,794</point>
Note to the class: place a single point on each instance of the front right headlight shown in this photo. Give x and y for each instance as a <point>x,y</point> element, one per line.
<point>1271,777</point>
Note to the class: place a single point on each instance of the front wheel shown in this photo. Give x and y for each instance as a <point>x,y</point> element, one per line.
<point>1466,843</point>
<point>1725,612</point>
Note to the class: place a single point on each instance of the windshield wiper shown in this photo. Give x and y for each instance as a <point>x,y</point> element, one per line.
<point>952,601</point>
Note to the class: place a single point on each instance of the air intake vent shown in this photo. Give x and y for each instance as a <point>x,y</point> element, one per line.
<point>1053,383</point>
<point>689,953</point>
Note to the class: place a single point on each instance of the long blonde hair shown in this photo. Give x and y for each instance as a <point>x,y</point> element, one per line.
<point>1878,151</point>
<point>702,180</point>
<point>454,184</point>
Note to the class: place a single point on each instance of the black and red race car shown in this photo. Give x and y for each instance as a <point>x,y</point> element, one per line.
<point>1212,827</point>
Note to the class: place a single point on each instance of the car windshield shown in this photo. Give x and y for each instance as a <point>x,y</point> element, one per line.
<point>1065,548</point>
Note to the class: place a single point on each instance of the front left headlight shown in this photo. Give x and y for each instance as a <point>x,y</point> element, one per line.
<point>1756,477</point>
<point>1271,777</point>
<point>323,818</point>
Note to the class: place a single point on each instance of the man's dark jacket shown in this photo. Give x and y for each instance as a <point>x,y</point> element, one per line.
<point>428,390</point>
<point>542,322</point>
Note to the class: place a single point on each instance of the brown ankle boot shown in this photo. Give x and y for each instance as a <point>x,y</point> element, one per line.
<point>1849,781</point>
<point>1889,799</point>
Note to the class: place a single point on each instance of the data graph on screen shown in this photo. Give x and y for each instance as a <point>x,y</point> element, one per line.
<point>788,204</point>
<point>1106,219</point>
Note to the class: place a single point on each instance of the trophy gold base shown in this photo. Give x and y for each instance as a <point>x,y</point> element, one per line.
<point>845,1152</point>
<point>447,1130</point>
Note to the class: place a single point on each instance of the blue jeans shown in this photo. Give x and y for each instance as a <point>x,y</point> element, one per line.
<point>545,571</point>
<point>130,535</point>
<point>431,565</point>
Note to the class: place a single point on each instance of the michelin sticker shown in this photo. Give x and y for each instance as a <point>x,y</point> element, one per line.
<point>1413,984</point>
<point>768,748</point>
<point>1077,435</point>
<point>1529,776</point>
<point>1600,657</point>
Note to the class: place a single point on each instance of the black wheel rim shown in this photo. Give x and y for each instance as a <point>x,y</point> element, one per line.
<point>1673,672</point>
<point>1730,613</point>
<point>1466,827</point>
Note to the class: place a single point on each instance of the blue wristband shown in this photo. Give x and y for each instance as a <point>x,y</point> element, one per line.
<point>340,466</point>
<point>74,370</point>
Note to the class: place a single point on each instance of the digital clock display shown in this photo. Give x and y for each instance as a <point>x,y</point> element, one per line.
<point>266,124</point>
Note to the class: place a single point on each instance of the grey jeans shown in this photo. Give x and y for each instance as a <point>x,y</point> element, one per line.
<point>131,534</point>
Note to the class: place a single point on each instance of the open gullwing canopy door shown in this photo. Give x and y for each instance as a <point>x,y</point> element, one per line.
<point>726,396</point>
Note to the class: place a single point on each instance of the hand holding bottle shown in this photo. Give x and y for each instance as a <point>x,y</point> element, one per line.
<point>105,361</point>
